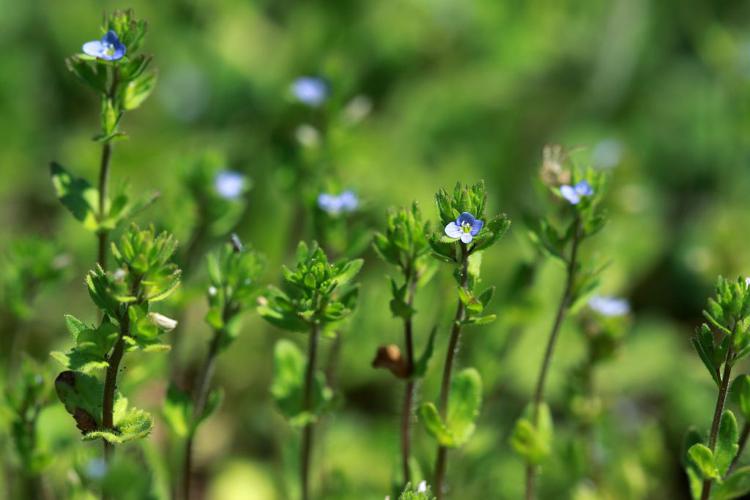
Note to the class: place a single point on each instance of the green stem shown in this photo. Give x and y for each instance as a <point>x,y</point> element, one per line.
<point>554,333</point>
<point>453,345</point>
<point>199,405</point>
<point>720,402</point>
<point>307,432</point>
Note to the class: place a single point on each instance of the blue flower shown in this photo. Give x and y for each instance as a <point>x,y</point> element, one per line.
<point>574,193</point>
<point>336,204</point>
<point>229,184</point>
<point>96,468</point>
<point>310,90</point>
<point>109,48</point>
<point>609,306</point>
<point>464,228</point>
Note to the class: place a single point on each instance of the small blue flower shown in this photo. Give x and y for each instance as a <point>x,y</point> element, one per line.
<point>609,306</point>
<point>109,48</point>
<point>229,184</point>
<point>574,193</point>
<point>464,228</point>
<point>96,468</point>
<point>336,204</point>
<point>310,90</point>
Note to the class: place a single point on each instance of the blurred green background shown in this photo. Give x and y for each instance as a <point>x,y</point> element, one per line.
<point>654,91</point>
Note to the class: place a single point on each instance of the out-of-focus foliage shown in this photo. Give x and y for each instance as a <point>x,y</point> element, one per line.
<point>421,94</point>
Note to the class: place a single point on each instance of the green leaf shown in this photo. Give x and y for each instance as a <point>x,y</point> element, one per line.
<point>703,458</point>
<point>215,398</point>
<point>178,411</point>
<point>434,425</point>
<point>138,90</point>
<point>286,320</point>
<point>533,442</point>
<point>741,394</point>
<point>737,484</point>
<point>726,444</point>
<point>420,367</point>
<point>130,425</point>
<point>288,385</point>
<point>81,394</point>
<point>77,195</point>
<point>110,117</point>
<point>464,404</point>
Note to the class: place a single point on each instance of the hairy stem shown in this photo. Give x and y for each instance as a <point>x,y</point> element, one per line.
<point>453,344</point>
<point>307,432</point>
<point>102,234</point>
<point>720,401</point>
<point>110,382</point>
<point>406,411</point>
<point>554,333</point>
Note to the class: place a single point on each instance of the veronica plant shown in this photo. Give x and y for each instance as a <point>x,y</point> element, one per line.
<point>113,68</point>
<point>144,277</point>
<point>721,342</point>
<point>315,296</point>
<point>466,234</point>
<point>405,246</point>
<point>579,194</point>
<point>603,325</point>
<point>233,273</point>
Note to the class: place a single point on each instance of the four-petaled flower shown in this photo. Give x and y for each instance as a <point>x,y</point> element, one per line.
<point>609,306</point>
<point>109,48</point>
<point>464,228</point>
<point>574,193</point>
<point>310,90</point>
<point>229,184</point>
<point>336,204</point>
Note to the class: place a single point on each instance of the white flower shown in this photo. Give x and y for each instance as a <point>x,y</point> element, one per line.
<point>164,322</point>
<point>229,184</point>
<point>422,488</point>
<point>609,306</point>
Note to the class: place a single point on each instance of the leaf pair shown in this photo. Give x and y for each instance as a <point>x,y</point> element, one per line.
<point>464,403</point>
<point>287,388</point>
<point>533,440</point>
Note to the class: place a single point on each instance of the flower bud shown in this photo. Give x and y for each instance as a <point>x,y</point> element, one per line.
<point>389,357</point>
<point>164,322</point>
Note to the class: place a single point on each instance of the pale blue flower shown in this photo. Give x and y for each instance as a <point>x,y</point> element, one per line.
<point>109,48</point>
<point>609,306</point>
<point>96,468</point>
<point>229,184</point>
<point>574,193</point>
<point>336,204</point>
<point>465,227</point>
<point>310,90</point>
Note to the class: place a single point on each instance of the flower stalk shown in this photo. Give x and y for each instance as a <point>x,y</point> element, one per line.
<point>562,308</point>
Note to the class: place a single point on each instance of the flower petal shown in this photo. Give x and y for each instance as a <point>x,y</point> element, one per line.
<point>570,194</point>
<point>476,227</point>
<point>466,237</point>
<point>94,48</point>
<point>583,188</point>
<point>465,217</point>
<point>453,230</point>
